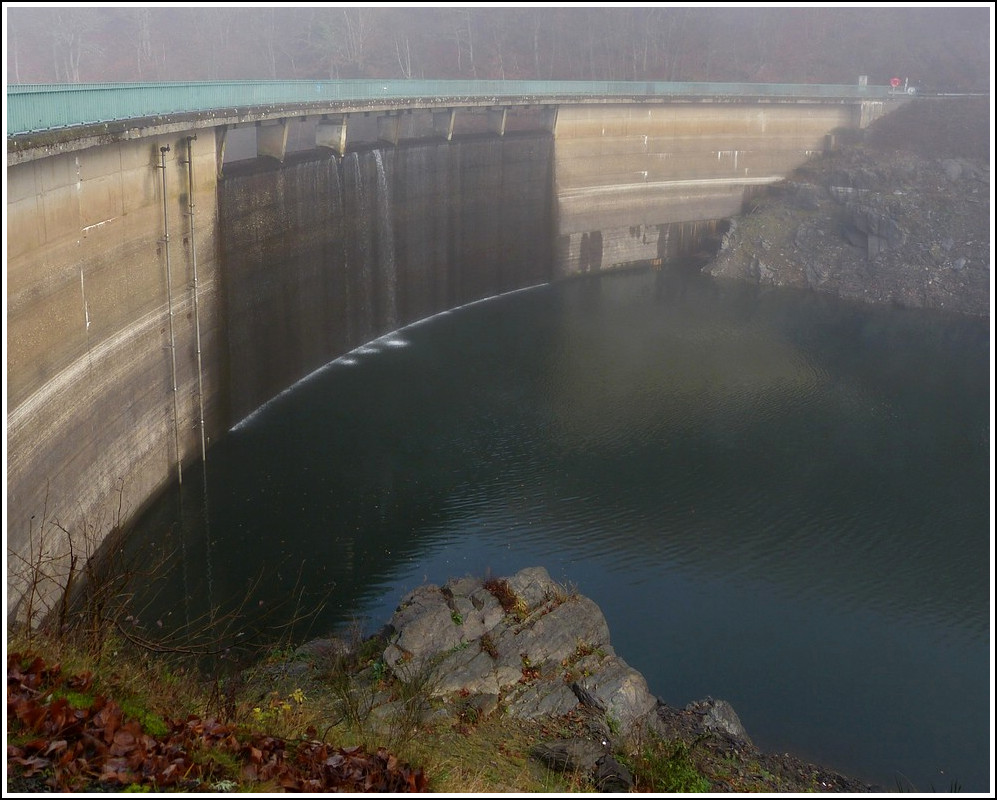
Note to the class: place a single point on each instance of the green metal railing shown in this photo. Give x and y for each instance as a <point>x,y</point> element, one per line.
<point>38,107</point>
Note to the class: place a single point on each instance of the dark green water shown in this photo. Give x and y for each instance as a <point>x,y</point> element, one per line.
<point>777,498</point>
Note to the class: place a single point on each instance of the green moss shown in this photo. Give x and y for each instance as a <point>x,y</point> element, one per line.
<point>667,767</point>
<point>81,700</point>
<point>151,723</point>
<point>218,765</point>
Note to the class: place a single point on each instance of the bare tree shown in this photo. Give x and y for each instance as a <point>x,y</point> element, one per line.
<point>465,42</point>
<point>15,61</point>
<point>270,36</point>
<point>66,43</point>
<point>536,29</point>
<point>147,56</point>
<point>404,56</point>
<point>342,41</point>
<point>358,30</point>
<point>72,37</point>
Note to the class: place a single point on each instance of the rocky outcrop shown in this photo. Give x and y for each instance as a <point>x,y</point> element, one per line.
<point>533,649</point>
<point>525,642</point>
<point>528,648</point>
<point>899,215</point>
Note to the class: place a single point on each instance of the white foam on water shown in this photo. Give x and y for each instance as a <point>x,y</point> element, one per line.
<point>245,421</point>
<point>350,359</point>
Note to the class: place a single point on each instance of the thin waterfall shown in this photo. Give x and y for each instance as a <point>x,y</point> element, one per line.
<point>358,252</point>
<point>385,248</point>
<point>323,256</point>
<point>439,263</point>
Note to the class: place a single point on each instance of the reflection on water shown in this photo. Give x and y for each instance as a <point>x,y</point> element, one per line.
<point>777,498</point>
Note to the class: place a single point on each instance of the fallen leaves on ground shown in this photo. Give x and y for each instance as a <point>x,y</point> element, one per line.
<point>77,748</point>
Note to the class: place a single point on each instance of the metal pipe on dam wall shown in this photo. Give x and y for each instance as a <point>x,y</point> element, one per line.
<point>301,258</point>
<point>93,422</point>
<point>299,263</point>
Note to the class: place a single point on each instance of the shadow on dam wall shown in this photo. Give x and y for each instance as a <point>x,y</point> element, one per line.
<point>322,254</point>
<point>124,365</point>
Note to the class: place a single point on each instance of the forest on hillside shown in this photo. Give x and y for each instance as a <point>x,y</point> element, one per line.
<point>946,49</point>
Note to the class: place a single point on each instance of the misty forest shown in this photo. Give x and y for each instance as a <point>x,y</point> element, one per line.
<point>940,49</point>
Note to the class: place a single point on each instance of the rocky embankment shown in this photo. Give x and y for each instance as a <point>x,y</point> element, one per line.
<point>898,213</point>
<point>528,648</point>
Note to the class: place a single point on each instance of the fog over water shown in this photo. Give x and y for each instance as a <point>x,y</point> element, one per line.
<point>776,498</point>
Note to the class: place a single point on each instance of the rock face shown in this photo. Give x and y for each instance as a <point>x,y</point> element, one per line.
<point>535,649</point>
<point>526,642</point>
<point>525,646</point>
<point>900,215</point>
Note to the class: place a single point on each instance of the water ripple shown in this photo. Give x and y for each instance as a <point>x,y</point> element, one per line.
<point>740,468</point>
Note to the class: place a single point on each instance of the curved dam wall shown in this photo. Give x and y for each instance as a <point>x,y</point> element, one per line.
<point>650,182</point>
<point>117,367</point>
<point>92,410</point>
<point>323,255</point>
<point>297,263</point>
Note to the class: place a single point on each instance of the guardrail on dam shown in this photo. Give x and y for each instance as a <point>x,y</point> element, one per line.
<point>159,291</point>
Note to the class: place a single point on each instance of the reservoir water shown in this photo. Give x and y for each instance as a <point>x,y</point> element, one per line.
<point>777,498</point>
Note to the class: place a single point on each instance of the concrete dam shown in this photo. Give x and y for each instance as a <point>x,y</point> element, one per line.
<point>160,291</point>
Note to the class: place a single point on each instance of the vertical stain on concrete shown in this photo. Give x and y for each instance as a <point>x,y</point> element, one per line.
<point>83,294</point>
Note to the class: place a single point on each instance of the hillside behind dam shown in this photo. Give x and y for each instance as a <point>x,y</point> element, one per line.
<point>898,213</point>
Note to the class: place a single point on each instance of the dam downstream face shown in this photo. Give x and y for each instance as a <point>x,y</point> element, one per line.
<point>776,498</point>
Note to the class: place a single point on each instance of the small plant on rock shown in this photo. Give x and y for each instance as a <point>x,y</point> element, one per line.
<point>511,602</point>
<point>488,645</point>
<point>561,594</point>
<point>531,671</point>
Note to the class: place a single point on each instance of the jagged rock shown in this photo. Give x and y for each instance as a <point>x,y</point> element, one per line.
<point>567,670</point>
<point>424,627</point>
<point>761,271</point>
<point>547,656</point>
<point>554,636</point>
<point>541,699</point>
<point>534,585</point>
<point>472,670</point>
<point>880,232</point>
<point>570,755</point>
<point>620,690</point>
<point>719,715</point>
<point>585,756</point>
<point>612,776</point>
